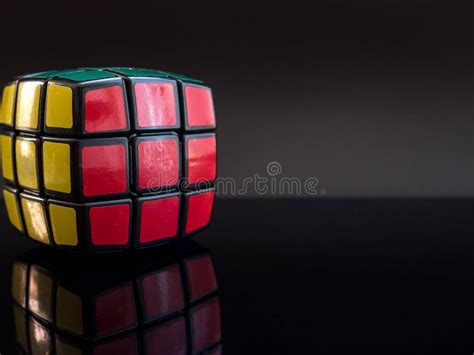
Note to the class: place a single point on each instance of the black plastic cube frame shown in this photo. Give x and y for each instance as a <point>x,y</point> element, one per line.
<point>12,136</point>
<point>182,88</point>
<point>136,171</point>
<point>184,211</point>
<point>137,219</point>
<point>38,130</point>
<point>130,83</point>
<point>201,185</point>
<point>79,92</point>
<point>38,160</point>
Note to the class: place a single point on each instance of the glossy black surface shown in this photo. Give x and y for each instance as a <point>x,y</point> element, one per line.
<point>330,276</point>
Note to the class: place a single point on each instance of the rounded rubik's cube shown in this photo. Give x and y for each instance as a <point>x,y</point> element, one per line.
<point>109,158</point>
<point>157,303</point>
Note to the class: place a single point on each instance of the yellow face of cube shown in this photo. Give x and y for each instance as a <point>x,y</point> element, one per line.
<point>26,163</point>
<point>7,157</point>
<point>27,105</point>
<point>12,209</point>
<point>8,101</point>
<point>35,220</point>
<point>59,106</point>
<point>69,311</point>
<point>63,224</point>
<point>57,166</point>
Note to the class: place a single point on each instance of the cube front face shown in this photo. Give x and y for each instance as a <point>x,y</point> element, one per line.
<point>78,143</point>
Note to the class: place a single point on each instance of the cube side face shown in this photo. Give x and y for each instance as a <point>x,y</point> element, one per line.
<point>80,147</point>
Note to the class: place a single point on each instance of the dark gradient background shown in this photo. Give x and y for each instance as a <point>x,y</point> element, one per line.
<point>372,97</point>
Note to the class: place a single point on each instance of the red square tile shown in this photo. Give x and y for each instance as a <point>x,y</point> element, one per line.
<point>206,325</point>
<point>201,159</point>
<point>162,293</point>
<point>199,106</point>
<point>199,210</point>
<point>201,277</point>
<point>159,219</point>
<point>115,310</point>
<point>105,109</point>
<point>155,104</point>
<point>123,346</point>
<point>110,224</point>
<point>166,339</point>
<point>104,169</point>
<point>158,162</point>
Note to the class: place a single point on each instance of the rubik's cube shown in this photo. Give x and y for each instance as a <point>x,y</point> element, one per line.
<point>108,158</point>
<point>157,303</point>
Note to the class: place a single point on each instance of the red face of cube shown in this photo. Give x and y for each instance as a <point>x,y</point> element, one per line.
<point>162,293</point>
<point>206,325</point>
<point>201,159</point>
<point>110,224</point>
<point>201,277</point>
<point>104,170</point>
<point>199,211</point>
<point>158,163</point>
<point>159,219</point>
<point>105,110</point>
<point>115,310</point>
<point>199,107</point>
<point>166,339</point>
<point>155,105</point>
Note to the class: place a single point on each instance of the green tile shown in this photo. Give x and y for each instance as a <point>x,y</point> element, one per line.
<point>86,75</point>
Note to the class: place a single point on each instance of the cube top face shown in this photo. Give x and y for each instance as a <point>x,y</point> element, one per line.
<point>108,158</point>
<point>152,300</point>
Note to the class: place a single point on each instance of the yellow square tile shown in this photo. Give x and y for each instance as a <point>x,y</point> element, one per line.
<point>57,166</point>
<point>35,220</point>
<point>18,284</point>
<point>64,224</point>
<point>40,293</point>
<point>21,332</point>
<point>26,163</point>
<point>40,338</point>
<point>59,106</point>
<point>8,103</point>
<point>69,311</point>
<point>27,105</point>
<point>7,157</point>
<point>13,210</point>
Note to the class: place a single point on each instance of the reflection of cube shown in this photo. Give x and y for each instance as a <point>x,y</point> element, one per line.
<point>108,158</point>
<point>161,303</point>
